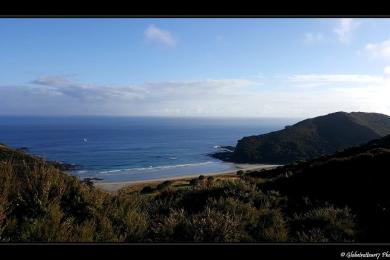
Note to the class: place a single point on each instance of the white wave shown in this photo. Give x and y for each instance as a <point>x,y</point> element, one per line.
<point>153,168</point>
<point>110,171</point>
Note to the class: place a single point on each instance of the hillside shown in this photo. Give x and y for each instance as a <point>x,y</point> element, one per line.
<point>312,138</point>
<point>39,203</point>
<point>357,177</point>
<point>17,156</point>
<point>336,198</point>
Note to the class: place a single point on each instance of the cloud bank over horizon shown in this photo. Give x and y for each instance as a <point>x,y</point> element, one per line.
<point>306,95</point>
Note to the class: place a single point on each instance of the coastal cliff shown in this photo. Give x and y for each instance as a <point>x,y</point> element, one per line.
<point>309,138</point>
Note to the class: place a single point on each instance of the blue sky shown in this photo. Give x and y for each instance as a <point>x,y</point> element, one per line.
<point>194,67</point>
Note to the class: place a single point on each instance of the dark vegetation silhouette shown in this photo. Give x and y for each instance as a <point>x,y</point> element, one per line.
<point>335,198</point>
<point>357,177</point>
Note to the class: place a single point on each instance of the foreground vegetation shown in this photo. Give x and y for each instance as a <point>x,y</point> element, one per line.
<point>339,198</point>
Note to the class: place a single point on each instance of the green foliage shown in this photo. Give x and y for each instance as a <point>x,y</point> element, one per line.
<point>312,138</point>
<point>208,225</point>
<point>327,224</point>
<point>164,185</point>
<point>147,189</point>
<point>210,179</point>
<point>213,226</point>
<point>40,203</point>
<point>314,201</point>
<point>194,182</point>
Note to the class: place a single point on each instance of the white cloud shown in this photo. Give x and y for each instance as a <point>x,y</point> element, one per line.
<point>154,33</point>
<point>341,92</point>
<point>197,88</point>
<point>379,50</point>
<point>61,96</point>
<point>56,85</point>
<point>344,29</point>
<point>209,97</point>
<point>311,38</point>
<point>386,71</point>
<point>331,79</point>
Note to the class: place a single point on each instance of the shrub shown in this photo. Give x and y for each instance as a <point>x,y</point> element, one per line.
<point>147,189</point>
<point>326,224</point>
<point>173,228</point>
<point>312,235</point>
<point>271,199</point>
<point>164,185</point>
<point>194,182</point>
<point>240,190</point>
<point>194,200</point>
<point>163,203</point>
<point>210,179</point>
<point>266,225</point>
<point>214,226</point>
<point>246,212</point>
<point>135,223</point>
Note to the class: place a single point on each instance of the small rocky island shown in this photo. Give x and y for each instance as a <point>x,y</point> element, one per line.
<point>225,153</point>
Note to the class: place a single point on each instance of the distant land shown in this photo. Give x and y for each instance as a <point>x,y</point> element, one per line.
<point>309,138</point>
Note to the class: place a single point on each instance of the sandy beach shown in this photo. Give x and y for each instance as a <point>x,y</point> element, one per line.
<point>115,186</point>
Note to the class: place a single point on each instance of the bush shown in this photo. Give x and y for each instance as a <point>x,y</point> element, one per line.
<point>147,189</point>
<point>326,224</point>
<point>164,185</point>
<point>173,228</point>
<point>270,226</point>
<point>40,203</point>
<point>194,182</point>
<point>214,226</point>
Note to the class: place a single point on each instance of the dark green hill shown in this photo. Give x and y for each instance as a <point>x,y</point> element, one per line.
<point>357,177</point>
<point>312,138</point>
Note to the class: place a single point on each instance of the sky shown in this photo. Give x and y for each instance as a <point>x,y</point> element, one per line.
<point>257,67</point>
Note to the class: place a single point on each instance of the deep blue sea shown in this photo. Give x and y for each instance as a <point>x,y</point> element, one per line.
<point>129,148</point>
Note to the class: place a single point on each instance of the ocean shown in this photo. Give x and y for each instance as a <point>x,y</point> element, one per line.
<point>130,148</point>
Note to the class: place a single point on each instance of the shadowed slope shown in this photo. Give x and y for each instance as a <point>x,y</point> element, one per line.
<point>312,138</point>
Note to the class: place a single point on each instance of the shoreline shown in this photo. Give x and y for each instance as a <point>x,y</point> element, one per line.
<point>115,186</point>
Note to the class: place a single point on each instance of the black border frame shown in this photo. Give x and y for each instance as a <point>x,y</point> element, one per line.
<point>184,250</point>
